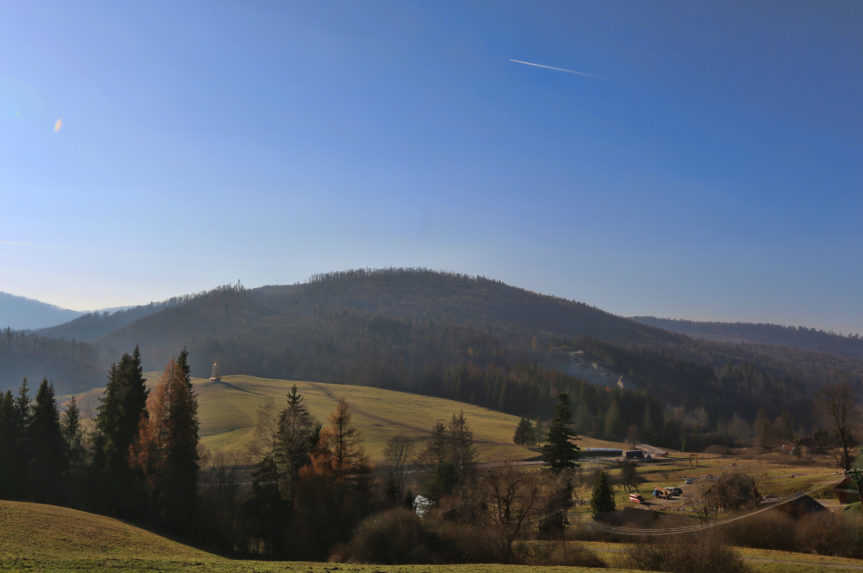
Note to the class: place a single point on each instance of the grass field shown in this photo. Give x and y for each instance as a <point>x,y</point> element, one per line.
<point>774,476</point>
<point>228,413</point>
<point>36,537</point>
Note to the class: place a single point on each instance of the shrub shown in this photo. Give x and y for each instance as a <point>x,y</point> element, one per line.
<point>831,534</point>
<point>704,553</point>
<point>555,553</point>
<point>398,536</point>
<point>733,491</point>
<point>769,530</point>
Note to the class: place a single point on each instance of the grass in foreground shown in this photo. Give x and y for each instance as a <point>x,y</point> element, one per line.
<point>37,537</point>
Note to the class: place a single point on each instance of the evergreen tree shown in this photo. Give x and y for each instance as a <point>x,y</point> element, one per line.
<point>462,451</point>
<point>8,442</point>
<point>524,433</point>
<point>183,367</point>
<point>297,434</point>
<point>48,462</point>
<point>118,422</point>
<point>23,417</point>
<point>441,472</point>
<point>73,435</point>
<point>560,452</point>
<point>602,499</point>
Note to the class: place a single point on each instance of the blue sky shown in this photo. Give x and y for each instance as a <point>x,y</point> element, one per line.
<point>713,170</point>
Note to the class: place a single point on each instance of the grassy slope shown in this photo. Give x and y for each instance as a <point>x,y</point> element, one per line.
<point>759,560</point>
<point>228,414</point>
<point>40,537</point>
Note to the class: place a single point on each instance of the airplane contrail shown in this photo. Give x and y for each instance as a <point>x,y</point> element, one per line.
<point>555,68</point>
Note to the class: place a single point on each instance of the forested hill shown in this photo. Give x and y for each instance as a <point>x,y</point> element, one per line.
<point>93,326</point>
<point>465,338</point>
<point>757,333</point>
<point>23,313</point>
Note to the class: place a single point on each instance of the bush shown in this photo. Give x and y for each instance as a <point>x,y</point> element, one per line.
<point>830,534</point>
<point>733,491</point>
<point>398,536</point>
<point>769,530</point>
<point>555,553</point>
<point>704,553</point>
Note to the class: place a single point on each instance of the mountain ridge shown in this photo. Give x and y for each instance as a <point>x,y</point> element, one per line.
<point>24,313</point>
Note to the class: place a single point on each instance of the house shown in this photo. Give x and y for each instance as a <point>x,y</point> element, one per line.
<point>801,507</point>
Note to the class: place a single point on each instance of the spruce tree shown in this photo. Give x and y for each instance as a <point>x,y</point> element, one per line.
<point>121,412</point>
<point>72,433</point>
<point>23,416</point>
<point>8,441</point>
<point>560,452</point>
<point>297,434</point>
<point>48,462</point>
<point>524,433</point>
<point>602,499</point>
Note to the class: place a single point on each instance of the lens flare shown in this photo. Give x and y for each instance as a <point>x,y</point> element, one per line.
<point>58,125</point>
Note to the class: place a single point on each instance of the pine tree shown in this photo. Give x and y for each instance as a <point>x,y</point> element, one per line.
<point>118,422</point>
<point>48,462</point>
<point>23,417</point>
<point>462,451</point>
<point>8,440</point>
<point>524,433</point>
<point>441,472</point>
<point>560,452</point>
<point>72,434</point>
<point>602,499</point>
<point>296,436</point>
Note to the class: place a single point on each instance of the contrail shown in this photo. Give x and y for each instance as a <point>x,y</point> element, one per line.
<point>555,68</point>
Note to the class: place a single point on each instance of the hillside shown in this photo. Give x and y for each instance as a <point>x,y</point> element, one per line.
<point>41,537</point>
<point>228,412</point>
<point>38,537</point>
<point>465,338</point>
<point>93,326</point>
<point>799,337</point>
<point>21,313</point>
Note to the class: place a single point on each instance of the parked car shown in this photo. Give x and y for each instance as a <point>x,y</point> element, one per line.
<point>689,481</point>
<point>636,498</point>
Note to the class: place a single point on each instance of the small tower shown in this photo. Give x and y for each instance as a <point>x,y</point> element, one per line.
<point>214,373</point>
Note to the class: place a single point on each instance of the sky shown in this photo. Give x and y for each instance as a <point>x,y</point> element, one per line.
<point>706,162</point>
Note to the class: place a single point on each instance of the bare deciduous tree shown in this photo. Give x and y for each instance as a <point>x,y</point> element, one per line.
<point>837,407</point>
<point>513,498</point>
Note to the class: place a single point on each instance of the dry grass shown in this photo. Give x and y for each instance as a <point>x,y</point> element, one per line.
<point>35,537</point>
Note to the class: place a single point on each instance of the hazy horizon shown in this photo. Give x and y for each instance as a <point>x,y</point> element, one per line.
<point>675,160</point>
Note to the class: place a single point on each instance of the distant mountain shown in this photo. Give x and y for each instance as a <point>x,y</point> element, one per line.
<point>455,336</point>
<point>758,333</point>
<point>21,313</point>
<point>92,326</point>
